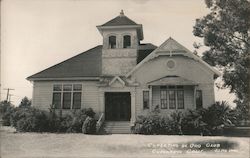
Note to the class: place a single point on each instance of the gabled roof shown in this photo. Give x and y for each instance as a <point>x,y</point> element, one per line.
<point>86,64</point>
<point>172,47</point>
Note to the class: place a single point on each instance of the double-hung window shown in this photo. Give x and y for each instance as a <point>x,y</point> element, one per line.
<point>172,97</point>
<point>67,96</point>
<point>164,99</point>
<point>198,99</point>
<point>146,99</point>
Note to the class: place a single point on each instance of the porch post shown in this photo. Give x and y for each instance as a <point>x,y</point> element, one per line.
<point>194,97</point>
<point>133,108</point>
<point>150,98</point>
<point>101,102</point>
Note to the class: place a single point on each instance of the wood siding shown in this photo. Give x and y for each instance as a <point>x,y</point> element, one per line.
<point>186,68</point>
<point>43,92</point>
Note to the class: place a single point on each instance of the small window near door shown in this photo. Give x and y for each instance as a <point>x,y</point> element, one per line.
<point>199,99</point>
<point>126,41</point>
<point>145,99</point>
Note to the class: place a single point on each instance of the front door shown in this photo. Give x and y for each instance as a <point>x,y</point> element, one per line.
<point>117,106</point>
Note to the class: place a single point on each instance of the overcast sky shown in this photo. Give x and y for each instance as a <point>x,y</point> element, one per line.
<point>36,34</point>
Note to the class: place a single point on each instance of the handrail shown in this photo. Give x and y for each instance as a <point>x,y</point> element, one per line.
<point>100,122</point>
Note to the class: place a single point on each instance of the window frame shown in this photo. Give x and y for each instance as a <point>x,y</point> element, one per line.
<point>165,99</point>
<point>177,99</point>
<point>143,99</point>
<point>109,43</point>
<point>175,89</point>
<point>123,41</point>
<point>201,98</point>
<point>63,92</point>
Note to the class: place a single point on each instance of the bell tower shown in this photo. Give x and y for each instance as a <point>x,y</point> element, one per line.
<point>121,37</point>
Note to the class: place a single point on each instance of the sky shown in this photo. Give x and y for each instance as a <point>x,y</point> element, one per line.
<point>37,34</point>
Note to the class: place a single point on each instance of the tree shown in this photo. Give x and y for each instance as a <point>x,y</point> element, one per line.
<point>225,30</point>
<point>25,103</point>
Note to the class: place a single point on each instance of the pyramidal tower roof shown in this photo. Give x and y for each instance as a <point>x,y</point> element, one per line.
<point>120,20</point>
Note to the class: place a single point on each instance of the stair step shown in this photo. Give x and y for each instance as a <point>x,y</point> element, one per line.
<point>118,127</point>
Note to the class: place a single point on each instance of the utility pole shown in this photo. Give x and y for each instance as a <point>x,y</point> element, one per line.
<point>8,93</point>
<point>10,98</point>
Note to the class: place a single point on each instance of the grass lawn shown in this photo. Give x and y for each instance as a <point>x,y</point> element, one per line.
<point>79,145</point>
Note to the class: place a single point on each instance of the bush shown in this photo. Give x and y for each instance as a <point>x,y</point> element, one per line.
<point>71,122</point>
<point>157,124</point>
<point>210,121</point>
<point>78,119</point>
<point>29,120</point>
<point>89,112</point>
<point>89,126</point>
<point>193,122</point>
<point>5,112</point>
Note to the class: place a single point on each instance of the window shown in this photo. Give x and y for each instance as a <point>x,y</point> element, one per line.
<point>145,99</point>
<point>180,99</point>
<point>76,100</point>
<point>112,42</point>
<point>172,97</point>
<point>164,103</point>
<point>66,100</point>
<point>171,64</point>
<point>67,96</point>
<point>126,41</point>
<point>198,99</point>
<point>56,100</point>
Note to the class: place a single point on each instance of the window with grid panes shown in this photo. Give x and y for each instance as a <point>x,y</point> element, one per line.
<point>67,96</point>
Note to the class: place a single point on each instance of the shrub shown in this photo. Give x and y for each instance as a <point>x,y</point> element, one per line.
<point>210,121</point>
<point>157,124</point>
<point>65,123</point>
<point>78,119</point>
<point>193,123</point>
<point>89,126</point>
<point>89,112</point>
<point>5,112</point>
<point>29,120</point>
<point>218,116</point>
<point>175,123</point>
<point>25,103</point>
<point>151,124</point>
<point>71,122</point>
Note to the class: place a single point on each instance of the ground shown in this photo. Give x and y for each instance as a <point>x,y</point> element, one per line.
<point>128,145</point>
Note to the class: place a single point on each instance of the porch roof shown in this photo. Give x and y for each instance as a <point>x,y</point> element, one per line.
<point>172,80</point>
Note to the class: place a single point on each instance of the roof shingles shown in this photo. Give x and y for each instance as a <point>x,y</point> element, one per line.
<point>86,64</point>
<point>119,21</point>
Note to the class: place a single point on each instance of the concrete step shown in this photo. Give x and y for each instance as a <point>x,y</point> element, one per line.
<point>118,127</point>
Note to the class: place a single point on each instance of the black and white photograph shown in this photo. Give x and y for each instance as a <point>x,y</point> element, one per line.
<point>125,78</point>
